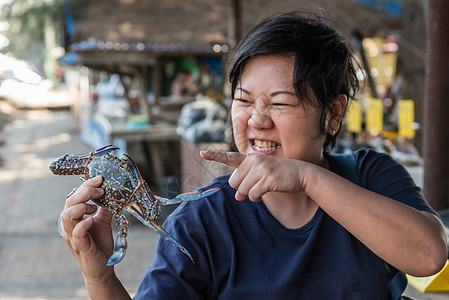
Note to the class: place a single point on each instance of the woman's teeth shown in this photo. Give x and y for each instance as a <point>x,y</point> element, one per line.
<point>265,146</point>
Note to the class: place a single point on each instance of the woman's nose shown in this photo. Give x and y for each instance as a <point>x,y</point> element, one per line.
<point>260,119</point>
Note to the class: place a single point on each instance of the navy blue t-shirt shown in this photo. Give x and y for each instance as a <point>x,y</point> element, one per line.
<point>242,252</point>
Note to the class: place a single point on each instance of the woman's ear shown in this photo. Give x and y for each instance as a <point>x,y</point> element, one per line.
<point>335,116</point>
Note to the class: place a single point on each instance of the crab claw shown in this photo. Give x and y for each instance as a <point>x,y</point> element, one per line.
<point>116,257</point>
<point>121,242</point>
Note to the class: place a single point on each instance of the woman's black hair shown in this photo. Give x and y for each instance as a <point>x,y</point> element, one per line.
<point>323,60</point>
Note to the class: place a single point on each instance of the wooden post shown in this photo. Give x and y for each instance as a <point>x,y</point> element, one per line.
<point>146,108</point>
<point>155,80</point>
<point>436,106</point>
<point>236,17</point>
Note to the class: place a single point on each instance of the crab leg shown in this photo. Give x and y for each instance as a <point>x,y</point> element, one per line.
<point>104,150</point>
<point>121,242</point>
<point>192,196</point>
<point>156,227</point>
<point>148,196</point>
<point>161,231</point>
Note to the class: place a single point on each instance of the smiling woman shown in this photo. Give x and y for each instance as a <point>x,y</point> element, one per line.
<point>267,115</point>
<point>306,224</point>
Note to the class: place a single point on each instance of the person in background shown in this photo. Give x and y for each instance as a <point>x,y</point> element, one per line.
<point>183,85</point>
<point>290,223</point>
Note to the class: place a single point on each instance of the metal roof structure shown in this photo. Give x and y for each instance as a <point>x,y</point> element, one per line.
<point>126,36</point>
<point>197,26</point>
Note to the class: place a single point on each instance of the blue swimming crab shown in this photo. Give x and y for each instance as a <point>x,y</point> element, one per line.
<point>124,188</point>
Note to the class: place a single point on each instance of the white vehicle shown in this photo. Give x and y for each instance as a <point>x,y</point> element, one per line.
<point>25,88</point>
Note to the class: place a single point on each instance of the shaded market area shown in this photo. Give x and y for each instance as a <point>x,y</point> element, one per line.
<point>149,77</point>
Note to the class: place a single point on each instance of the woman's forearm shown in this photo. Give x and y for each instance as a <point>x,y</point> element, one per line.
<point>411,240</point>
<point>111,289</point>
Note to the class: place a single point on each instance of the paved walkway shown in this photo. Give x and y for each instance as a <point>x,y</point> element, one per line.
<point>34,261</point>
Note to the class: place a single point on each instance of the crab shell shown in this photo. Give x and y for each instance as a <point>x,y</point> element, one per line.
<point>121,186</point>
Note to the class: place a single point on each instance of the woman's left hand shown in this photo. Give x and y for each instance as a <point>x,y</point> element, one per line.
<point>257,174</point>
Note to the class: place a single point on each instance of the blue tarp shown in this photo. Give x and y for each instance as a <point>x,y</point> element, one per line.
<point>391,7</point>
<point>69,58</point>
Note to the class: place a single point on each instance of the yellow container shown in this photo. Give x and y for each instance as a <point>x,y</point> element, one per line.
<point>435,283</point>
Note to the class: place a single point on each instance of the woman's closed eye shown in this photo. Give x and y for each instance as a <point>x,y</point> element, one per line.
<point>242,100</point>
<point>286,103</point>
<point>280,104</point>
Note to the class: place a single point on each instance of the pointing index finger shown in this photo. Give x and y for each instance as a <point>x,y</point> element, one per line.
<point>232,159</point>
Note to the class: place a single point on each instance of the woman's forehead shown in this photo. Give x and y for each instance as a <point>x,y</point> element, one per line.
<point>271,68</point>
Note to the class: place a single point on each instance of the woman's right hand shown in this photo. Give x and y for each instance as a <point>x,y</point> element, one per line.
<point>89,238</point>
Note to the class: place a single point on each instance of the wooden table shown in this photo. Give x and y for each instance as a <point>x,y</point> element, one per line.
<point>152,135</point>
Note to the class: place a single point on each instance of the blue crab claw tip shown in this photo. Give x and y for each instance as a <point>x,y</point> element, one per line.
<point>187,253</point>
<point>116,257</point>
